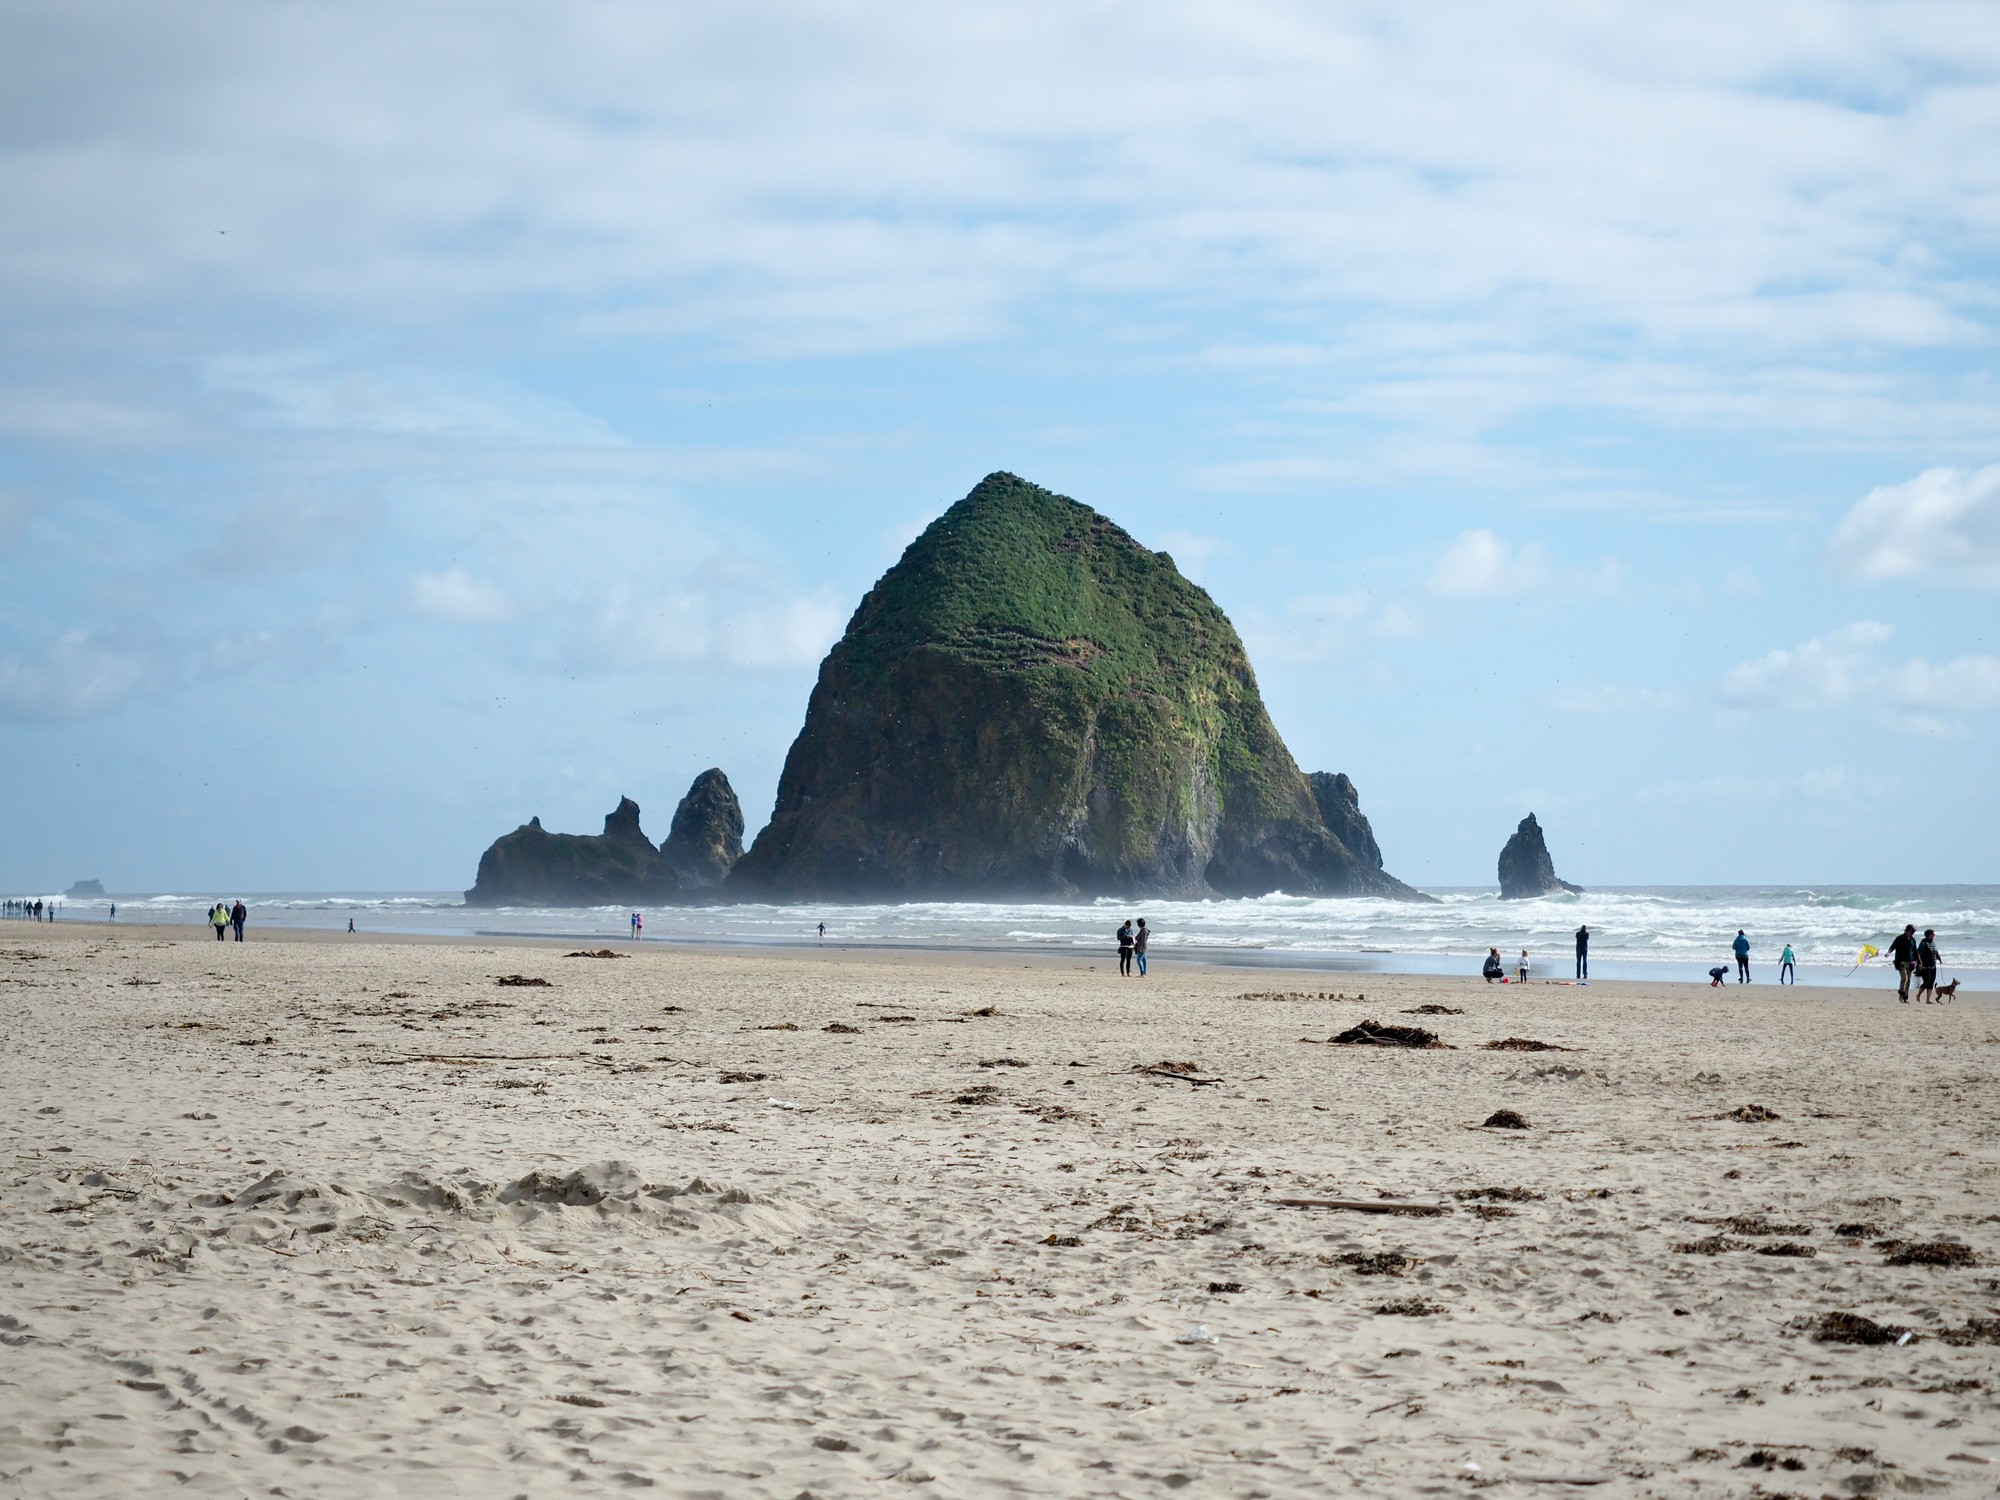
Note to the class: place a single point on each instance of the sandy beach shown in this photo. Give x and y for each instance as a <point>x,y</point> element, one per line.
<point>342,1216</point>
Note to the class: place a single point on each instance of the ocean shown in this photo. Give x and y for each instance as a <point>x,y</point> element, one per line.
<point>1675,932</point>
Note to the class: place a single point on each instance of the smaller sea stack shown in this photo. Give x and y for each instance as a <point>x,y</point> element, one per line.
<point>1526,870</point>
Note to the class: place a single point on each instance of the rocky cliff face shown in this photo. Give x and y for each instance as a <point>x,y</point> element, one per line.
<point>1525,867</point>
<point>706,837</point>
<point>533,867</point>
<point>1030,703</point>
<point>1340,809</point>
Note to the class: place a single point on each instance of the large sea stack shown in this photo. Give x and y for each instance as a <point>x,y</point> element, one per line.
<point>1525,867</point>
<point>533,867</point>
<point>1031,704</point>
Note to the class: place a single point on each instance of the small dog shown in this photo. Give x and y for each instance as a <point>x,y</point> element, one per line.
<point>1946,991</point>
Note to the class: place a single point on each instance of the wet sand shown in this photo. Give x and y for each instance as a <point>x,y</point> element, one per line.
<point>337,1215</point>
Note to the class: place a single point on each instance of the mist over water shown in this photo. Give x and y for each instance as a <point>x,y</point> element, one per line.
<point>1661,932</point>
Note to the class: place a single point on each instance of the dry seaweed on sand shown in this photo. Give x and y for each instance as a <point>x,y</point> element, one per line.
<point>1378,1262</point>
<point>1975,1331</point>
<point>741,1077</point>
<point>1524,1044</point>
<point>1409,1307</point>
<point>841,1028</point>
<point>1434,1010</point>
<point>1864,1229</point>
<point>1369,1034</point>
<point>1790,1249</point>
<point>1503,1119</point>
<point>1184,1072</point>
<point>1713,1245</point>
<point>522,981</point>
<point>984,1093</point>
<point>1002,1062</point>
<point>1852,1328</point>
<point>1298,995</point>
<point>1751,1114</point>
<point>596,953</point>
<point>1367,1206</point>
<point>1927,1253</point>
<point>1498,1194</point>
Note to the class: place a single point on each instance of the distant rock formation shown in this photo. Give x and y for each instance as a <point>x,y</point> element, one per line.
<point>1031,704</point>
<point>86,888</point>
<point>1525,867</point>
<point>533,867</point>
<point>706,838</point>
<point>1340,810</point>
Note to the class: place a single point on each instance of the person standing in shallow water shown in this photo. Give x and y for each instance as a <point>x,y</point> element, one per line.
<point>1742,947</point>
<point>1788,967</point>
<point>1125,947</point>
<point>1583,953</point>
<point>1139,947</point>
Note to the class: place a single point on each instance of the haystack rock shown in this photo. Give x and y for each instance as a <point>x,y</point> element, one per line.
<point>533,867</point>
<point>1031,704</point>
<point>1525,867</point>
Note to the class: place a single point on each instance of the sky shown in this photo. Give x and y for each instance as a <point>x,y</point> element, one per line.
<point>417,418</point>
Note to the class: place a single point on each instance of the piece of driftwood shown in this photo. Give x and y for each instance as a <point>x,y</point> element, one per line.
<point>1367,1206</point>
<point>1178,1077</point>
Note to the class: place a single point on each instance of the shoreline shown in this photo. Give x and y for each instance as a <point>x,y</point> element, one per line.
<point>1167,962</point>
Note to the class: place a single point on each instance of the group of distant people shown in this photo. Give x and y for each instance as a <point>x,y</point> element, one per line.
<point>1132,947</point>
<point>29,911</point>
<point>222,916</point>
<point>1496,968</point>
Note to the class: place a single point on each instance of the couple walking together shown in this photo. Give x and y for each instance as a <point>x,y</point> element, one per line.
<point>1919,957</point>
<point>222,918</point>
<point>1132,946</point>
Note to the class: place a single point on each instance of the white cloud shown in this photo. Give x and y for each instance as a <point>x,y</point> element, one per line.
<point>1480,565</point>
<point>1846,668</point>
<point>80,674</point>
<point>457,595</point>
<point>749,628</point>
<point>1944,524</point>
<point>1319,628</point>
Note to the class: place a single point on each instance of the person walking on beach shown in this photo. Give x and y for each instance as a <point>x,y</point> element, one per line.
<point>1125,947</point>
<point>1583,953</point>
<point>1903,953</point>
<point>822,932</point>
<point>1521,968</point>
<point>350,924</point>
<point>1928,959</point>
<point>1139,947</point>
<point>219,916</point>
<point>238,915</point>
<point>1788,971</point>
<point>1742,947</point>
<point>114,911</point>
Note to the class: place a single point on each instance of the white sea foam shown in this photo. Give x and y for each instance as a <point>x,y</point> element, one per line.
<point>1683,928</point>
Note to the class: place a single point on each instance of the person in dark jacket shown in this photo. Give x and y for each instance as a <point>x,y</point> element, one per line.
<point>238,915</point>
<point>1583,953</point>
<point>1928,959</point>
<point>1903,953</point>
<point>1742,947</point>
<point>1494,968</point>
<point>1139,947</point>
<point>1125,948</point>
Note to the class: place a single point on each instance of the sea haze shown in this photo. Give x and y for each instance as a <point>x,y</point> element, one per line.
<point>1657,932</point>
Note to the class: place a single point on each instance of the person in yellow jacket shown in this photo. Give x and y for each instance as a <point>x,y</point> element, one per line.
<point>218,917</point>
